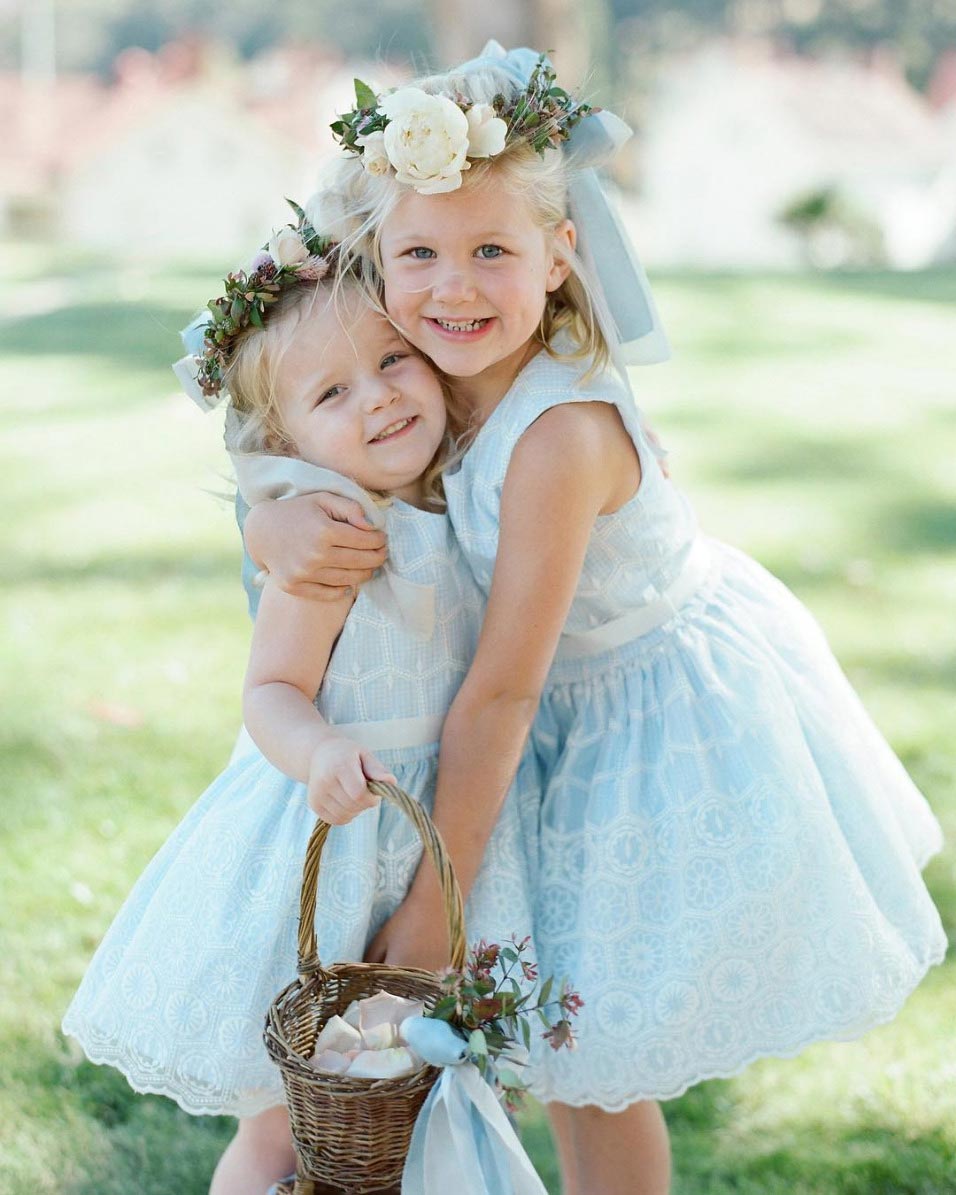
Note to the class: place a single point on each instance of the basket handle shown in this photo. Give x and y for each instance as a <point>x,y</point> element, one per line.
<point>434,848</point>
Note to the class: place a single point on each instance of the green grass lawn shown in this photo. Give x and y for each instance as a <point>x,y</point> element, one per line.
<point>812,418</point>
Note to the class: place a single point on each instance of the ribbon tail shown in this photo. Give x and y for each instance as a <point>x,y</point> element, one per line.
<point>463,1142</point>
<point>186,370</point>
<point>635,326</point>
<point>508,1152</point>
<point>440,1157</point>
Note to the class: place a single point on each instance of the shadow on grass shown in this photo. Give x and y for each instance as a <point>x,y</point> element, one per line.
<point>924,286</point>
<point>137,569</point>
<point>867,1156</point>
<point>132,333</point>
<point>913,525</point>
<point>928,286</point>
<point>797,459</point>
<point>919,670</point>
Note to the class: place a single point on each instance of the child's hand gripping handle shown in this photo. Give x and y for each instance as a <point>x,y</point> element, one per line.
<point>434,848</point>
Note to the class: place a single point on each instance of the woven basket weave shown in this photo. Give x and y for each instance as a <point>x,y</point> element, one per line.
<point>352,1135</point>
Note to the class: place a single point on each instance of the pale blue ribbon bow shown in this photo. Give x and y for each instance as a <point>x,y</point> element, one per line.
<point>626,309</point>
<point>462,1142</point>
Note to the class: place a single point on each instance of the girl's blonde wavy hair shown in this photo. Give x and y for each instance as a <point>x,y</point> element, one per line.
<point>355,204</point>
<point>254,419</point>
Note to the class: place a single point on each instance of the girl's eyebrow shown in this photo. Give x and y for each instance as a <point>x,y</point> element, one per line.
<point>313,384</point>
<point>423,238</point>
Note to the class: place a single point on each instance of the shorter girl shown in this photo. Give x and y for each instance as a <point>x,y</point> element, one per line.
<point>176,995</point>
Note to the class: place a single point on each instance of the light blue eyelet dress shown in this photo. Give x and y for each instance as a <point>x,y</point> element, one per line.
<point>726,852</point>
<point>176,995</point>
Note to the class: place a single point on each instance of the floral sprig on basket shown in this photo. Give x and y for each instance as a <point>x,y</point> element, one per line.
<point>488,1005</point>
<point>296,253</point>
<point>429,140</point>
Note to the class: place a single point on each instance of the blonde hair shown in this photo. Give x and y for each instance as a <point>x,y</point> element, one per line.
<point>356,205</point>
<point>254,419</point>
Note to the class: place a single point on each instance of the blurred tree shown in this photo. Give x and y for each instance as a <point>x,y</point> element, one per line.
<point>914,30</point>
<point>577,33</point>
<point>617,37</point>
<point>90,33</point>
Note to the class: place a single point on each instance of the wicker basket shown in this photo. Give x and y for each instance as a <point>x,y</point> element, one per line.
<point>351,1135</point>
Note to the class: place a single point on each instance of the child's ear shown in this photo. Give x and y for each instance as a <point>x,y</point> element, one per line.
<point>565,239</point>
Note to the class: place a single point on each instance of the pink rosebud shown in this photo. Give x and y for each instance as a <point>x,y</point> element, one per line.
<point>313,269</point>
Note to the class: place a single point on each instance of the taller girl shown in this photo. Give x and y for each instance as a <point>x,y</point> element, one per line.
<point>726,853</point>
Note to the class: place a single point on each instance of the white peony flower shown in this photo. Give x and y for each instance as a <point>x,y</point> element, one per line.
<point>426,140</point>
<point>486,132</point>
<point>374,158</point>
<point>287,248</point>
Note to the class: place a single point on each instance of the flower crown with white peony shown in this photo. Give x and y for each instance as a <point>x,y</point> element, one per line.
<point>429,140</point>
<point>295,254</point>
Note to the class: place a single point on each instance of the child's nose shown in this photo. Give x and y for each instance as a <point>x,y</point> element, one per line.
<point>454,286</point>
<point>379,392</point>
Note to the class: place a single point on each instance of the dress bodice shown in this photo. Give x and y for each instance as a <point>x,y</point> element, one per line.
<point>407,659</point>
<point>634,554</point>
<point>411,634</point>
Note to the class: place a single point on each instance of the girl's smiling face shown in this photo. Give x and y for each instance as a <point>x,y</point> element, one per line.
<point>353,396</point>
<point>466,275</point>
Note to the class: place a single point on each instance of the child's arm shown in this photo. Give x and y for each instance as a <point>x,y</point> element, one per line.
<point>550,501</point>
<point>316,545</point>
<point>291,646</point>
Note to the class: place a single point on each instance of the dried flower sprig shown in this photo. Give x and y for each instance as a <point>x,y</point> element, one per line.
<point>295,254</point>
<point>544,114</point>
<point>494,1010</point>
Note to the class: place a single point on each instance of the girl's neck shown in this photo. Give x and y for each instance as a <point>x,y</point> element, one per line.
<point>481,394</point>
<point>413,493</point>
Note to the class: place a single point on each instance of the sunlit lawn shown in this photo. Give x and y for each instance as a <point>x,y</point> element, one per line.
<point>813,419</point>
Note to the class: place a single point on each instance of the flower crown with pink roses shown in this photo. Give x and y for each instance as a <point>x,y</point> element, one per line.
<point>427,140</point>
<point>295,254</point>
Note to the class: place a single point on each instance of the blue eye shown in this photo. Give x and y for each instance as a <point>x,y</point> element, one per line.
<point>390,359</point>
<point>332,392</point>
<point>489,252</point>
<point>421,253</point>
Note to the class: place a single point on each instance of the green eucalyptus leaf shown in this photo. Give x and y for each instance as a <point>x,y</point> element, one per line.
<point>477,1043</point>
<point>364,96</point>
<point>509,1078</point>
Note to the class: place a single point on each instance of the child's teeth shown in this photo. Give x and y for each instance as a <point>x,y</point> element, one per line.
<point>463,326</point>
<point>392,428</point>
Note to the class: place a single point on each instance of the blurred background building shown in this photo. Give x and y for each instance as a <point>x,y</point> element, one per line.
<point>770,133</point>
